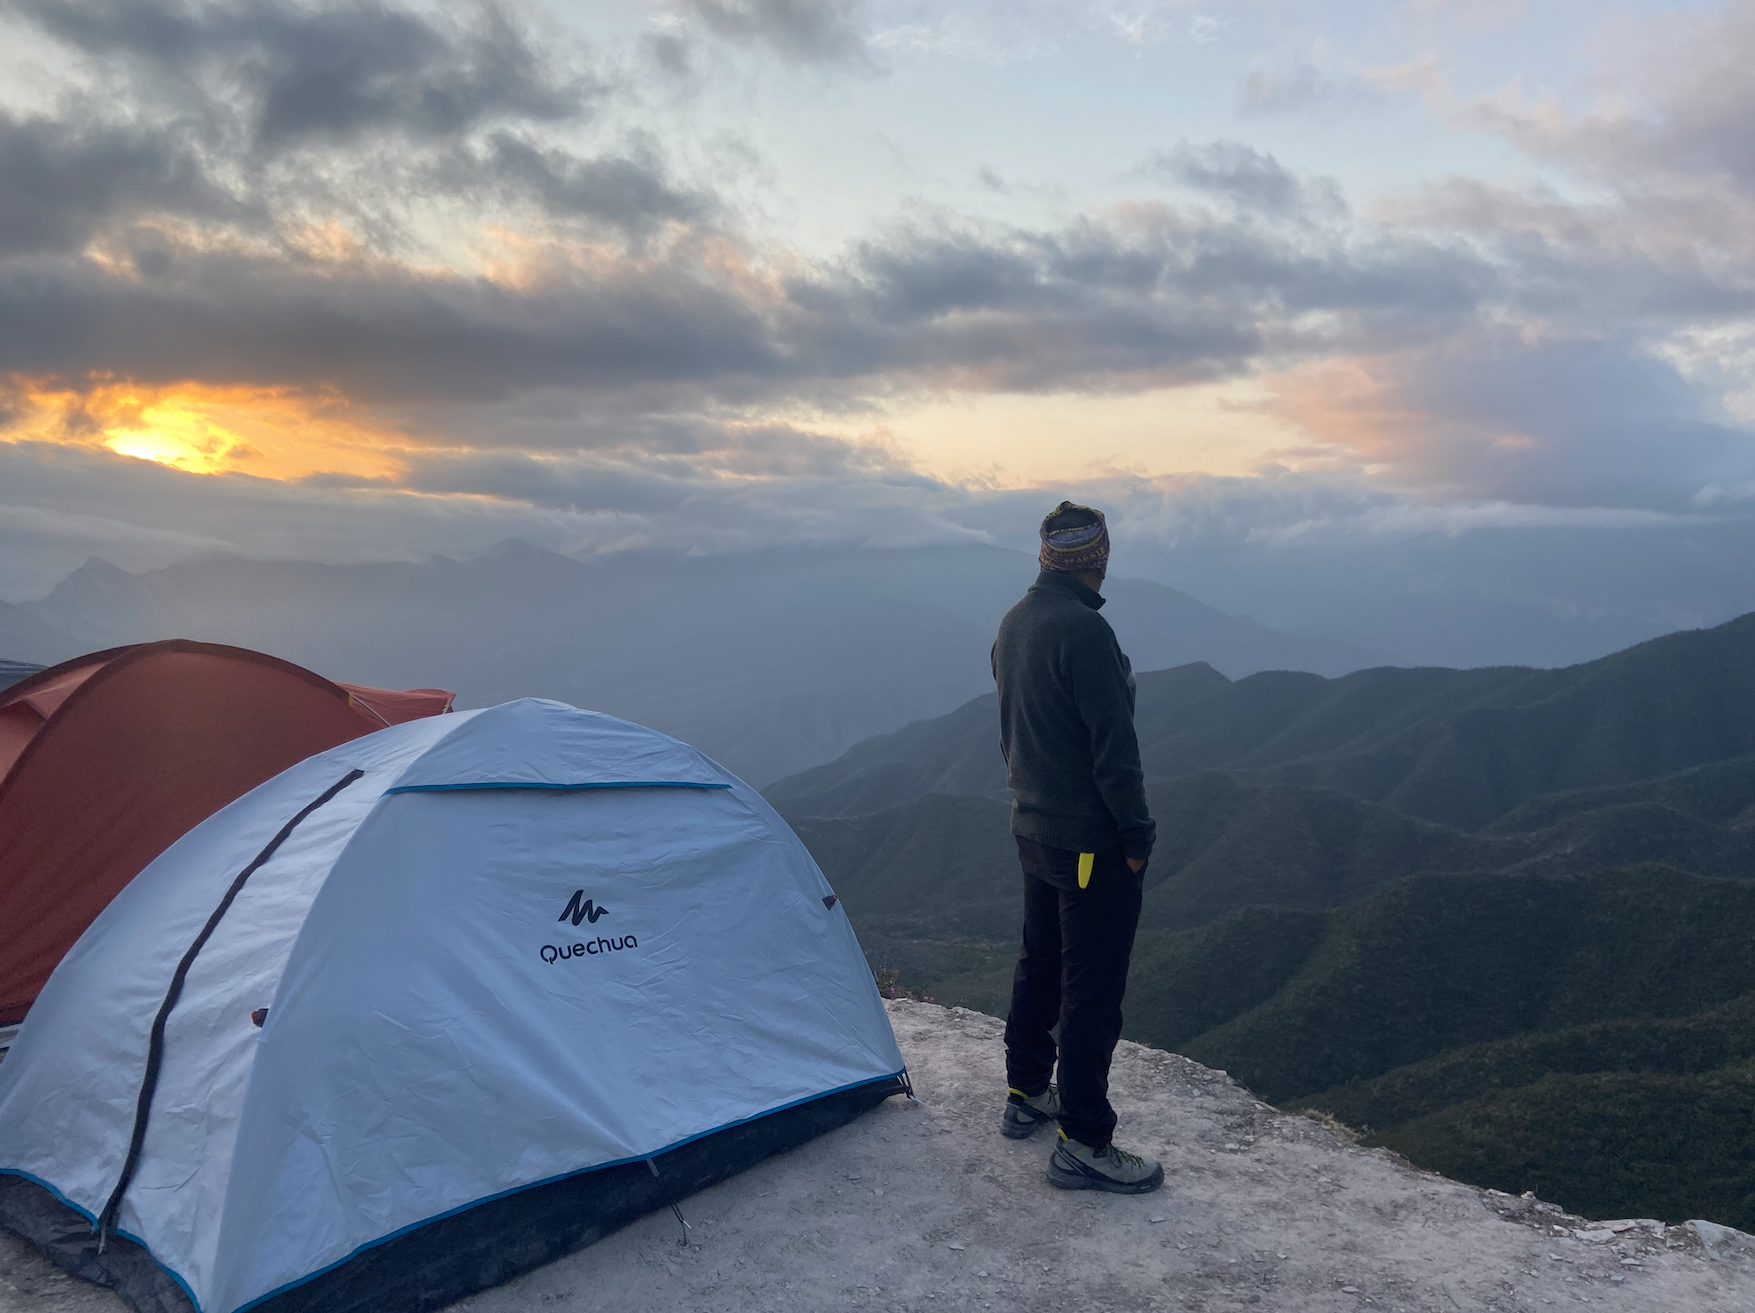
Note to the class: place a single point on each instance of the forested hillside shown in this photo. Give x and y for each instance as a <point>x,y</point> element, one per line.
<point>1460,746</point>
<point>1501,920</point>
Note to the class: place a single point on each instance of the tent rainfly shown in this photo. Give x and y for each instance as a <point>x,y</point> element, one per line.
<point>107,758</point>
<point>428,1010</point>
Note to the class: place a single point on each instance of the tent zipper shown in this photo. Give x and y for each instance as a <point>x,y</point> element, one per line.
<point>155,1049</point>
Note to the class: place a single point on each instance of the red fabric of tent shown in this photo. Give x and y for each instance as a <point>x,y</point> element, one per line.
<point>107,759</point>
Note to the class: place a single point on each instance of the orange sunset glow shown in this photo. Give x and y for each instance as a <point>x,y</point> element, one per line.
<point>271,432</point>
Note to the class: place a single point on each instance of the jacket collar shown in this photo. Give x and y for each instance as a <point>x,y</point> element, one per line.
<point>1057,581</point>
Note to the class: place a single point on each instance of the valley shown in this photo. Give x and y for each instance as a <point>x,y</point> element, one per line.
<point>1497,920</point>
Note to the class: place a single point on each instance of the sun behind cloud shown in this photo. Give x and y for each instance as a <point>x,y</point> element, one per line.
<point>180,435</point>
<point>275,433</point>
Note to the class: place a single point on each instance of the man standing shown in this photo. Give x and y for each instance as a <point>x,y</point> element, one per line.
<point>1066,695</point>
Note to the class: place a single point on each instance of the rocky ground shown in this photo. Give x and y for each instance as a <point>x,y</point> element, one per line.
<point>927,1208</point>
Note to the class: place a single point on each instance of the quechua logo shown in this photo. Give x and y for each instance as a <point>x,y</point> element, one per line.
<point>580,908</point>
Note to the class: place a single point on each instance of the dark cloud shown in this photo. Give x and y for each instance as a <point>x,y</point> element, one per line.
<point>209,130</point>
<point>1156,296</point>
<point>60,182</point>
<point>801,31</point>
<point>1244,176</point>
<point>632,192</point>
<point>1151,296</point>
<point>685,316</point>
<point>262,117</point>
<point>291,75</point>
<point>379,331</point>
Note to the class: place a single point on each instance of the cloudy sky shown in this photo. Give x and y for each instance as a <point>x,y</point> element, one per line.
<point>369,280</point>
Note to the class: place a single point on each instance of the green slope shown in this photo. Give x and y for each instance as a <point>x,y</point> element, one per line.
<point>1502,918</point>
<point>1226,844</point>
<point>1610,1144</point>
<point>945,864</point>
<point>1676,1046</point>
<point>931,888</point>
<point>1436,962</point>
<point>1461,747</point>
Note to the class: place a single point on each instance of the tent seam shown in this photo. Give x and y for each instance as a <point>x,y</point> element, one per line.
<point>528,784</point>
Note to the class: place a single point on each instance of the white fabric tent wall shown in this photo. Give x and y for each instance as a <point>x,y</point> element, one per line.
<point>427,1046</point>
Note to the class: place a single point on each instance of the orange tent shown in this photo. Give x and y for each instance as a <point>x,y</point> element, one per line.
<point>106,759</point>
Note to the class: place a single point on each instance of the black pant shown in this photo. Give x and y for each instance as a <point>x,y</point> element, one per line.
<point>1072,970</point>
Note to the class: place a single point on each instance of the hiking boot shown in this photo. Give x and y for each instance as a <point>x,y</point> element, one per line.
<point>1077,1166</point>
<point>1023,1113</point>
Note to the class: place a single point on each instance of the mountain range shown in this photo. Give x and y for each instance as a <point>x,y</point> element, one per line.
<point>770,662</point>
<point>1497,918</point>
<point>1500,918</point>
<point>1457,746</point>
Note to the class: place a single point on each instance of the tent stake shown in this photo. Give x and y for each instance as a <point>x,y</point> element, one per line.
<point>684,1242</point>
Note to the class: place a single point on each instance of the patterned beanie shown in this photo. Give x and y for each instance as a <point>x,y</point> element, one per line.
<point>1075,540</point>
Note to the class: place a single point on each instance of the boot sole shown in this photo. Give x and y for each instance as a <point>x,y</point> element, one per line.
<point>1059,1176</point>
<point>1020,1129</point>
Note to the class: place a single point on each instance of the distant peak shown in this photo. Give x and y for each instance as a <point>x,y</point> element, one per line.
<point>517,549</point>
<point>97,577</point>
<point>96,567</point>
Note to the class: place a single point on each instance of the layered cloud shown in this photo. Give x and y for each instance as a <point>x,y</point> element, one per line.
<point>1493,415</point>
<point>1675,98</point>
<point>377,279</point>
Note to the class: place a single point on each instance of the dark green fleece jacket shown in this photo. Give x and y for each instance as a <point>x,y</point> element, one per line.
<point>1066,695</point>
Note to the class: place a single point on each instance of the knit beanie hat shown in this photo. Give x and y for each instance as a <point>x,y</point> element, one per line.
<point>1075,540</point>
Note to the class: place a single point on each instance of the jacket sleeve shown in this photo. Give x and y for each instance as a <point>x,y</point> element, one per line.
<point>1099,678</point>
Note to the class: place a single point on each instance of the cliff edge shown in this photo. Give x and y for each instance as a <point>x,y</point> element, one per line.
<point>928,1207</point>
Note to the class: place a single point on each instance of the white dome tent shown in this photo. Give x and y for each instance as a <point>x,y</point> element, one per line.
<point>428,1010</point>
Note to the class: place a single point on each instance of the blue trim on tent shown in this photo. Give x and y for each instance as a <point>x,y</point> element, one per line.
<point>126,1235</point>
<point>563,1176</point>
<point>618,784</point>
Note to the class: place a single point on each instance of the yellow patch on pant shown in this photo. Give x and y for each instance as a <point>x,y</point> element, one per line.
<point>1086,862</point>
